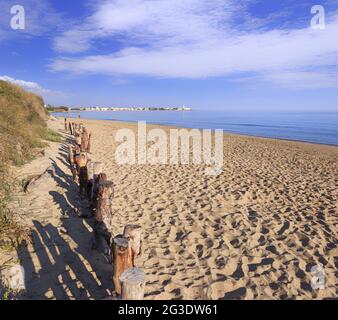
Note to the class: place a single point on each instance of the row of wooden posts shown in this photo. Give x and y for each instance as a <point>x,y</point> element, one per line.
<point>125,249</point>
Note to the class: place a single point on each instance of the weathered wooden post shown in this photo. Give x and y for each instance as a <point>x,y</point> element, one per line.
<point>72,162</point>
<point>103,213</point>
<point>90,178</point>
<point>102,238</point>
<point>83,180</point>
<point>105,201</point>
<point>80,161</point>
<point>121,260</point>
<point>74,173</point>
<point>78,141</point>
<point>84,155</point>
<point>95,189</point>
<point>88,145</point>
<point>66,126</point>
<point>90,169</point>
<point>133,232</point>
<point>133,282</point>
<point>84,140</point>
<point>77,150</point>
<point>70,128</point>
<point>81,168</point>
<point>97,169</point>
<point>70,155</point>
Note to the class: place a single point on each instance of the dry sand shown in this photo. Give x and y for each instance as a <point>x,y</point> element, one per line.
<point>253,232</point>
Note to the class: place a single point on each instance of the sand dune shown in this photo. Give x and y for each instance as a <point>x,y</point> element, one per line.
<point>253,232</point>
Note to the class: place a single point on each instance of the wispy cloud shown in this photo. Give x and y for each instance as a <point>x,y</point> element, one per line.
<point>151,23</point>
<point>198,39</point>
<point>25,84</point>
<point>47,94</point>
<point>303,79</point>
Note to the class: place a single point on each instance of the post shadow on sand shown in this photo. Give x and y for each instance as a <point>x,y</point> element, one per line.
<point>63,150</point>
<point>75,227</point>
<point>62,271</point>
<point>57,259</point>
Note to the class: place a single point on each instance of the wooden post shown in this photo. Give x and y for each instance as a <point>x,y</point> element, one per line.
<point>70,128</point>
<point>72,162</point>
<point>90,169</point>
<point>84,156</point>
<point>133,232</point>
<point>80,161</point>
<point>97,169</point>
<point>84,140</point>
<point>74,173</point>
<point>90,178</point>
<point>95,190</point>
<point>70,155</point>
<point>102,213</point>
<point>78,141</point>
<point>105,201</point>
<point>88,145</point>
<point>121,260</point>
<point>66,126</point>
<point>133,282</point>
<point>83,179</point>
<point>77,150</point>
<point>102,239</point>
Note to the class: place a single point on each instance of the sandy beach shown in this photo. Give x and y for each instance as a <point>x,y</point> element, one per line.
<point>252,232</point>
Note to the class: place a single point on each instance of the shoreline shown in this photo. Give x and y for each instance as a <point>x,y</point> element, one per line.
<point>227,133</point>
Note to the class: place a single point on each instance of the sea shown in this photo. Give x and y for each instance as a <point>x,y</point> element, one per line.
<point>313,127</point>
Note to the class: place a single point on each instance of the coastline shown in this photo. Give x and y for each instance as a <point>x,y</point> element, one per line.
<point>168,126</point>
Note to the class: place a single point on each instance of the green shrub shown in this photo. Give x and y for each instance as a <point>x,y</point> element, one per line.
<point>51,135</point>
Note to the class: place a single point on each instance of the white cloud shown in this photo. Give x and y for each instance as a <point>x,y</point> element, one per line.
<point>47,94</point>
<point>151,22</point>
<point>294,80</point>
<point>303,79</point>
<point>197,39</point>
<point>22,83</point>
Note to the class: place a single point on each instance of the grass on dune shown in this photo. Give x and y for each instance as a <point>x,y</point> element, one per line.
<point>23,129</point>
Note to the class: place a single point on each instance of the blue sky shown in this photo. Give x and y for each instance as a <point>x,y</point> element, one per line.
<point>220,54</point>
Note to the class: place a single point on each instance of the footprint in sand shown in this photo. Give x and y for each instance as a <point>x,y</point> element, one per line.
<point>199,250</point>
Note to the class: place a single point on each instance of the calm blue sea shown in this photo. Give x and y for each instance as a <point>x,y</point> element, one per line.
<point>310,127</point>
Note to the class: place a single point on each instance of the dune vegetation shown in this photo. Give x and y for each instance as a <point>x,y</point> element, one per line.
<point>23,131</point>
